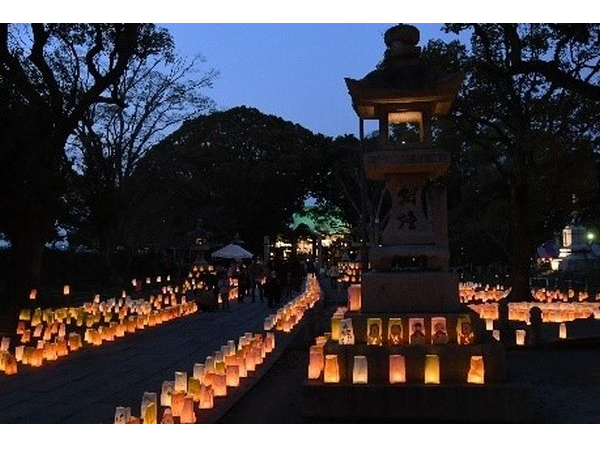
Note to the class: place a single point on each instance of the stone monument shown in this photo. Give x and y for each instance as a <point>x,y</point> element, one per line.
<point>425,352</point>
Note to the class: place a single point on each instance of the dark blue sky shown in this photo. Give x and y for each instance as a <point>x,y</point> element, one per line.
<point>295,71</point>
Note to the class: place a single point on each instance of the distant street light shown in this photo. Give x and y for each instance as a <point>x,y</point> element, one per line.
<point>591,236</point>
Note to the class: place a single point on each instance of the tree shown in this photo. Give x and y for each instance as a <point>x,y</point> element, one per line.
<point>528,102</point>
<point>159,93</point>
<point>239,171</point>
<point>51,75</point>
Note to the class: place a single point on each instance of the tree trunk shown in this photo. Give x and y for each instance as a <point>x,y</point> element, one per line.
<point>522,243</point>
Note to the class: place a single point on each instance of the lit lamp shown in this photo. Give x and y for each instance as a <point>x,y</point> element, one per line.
<point>316,362</point>
<point>336,328</point>
<point>360,370</point>
<point>167,390</point>
<point>33,294</point>
<point>331,370</point>
<point>489,324</point>
<point>4,344</point>
<point>194,388</point>
<point>496,334</point>
<point>219,385</point>
<point>562,331</point>
<point>10,365</point>
<point>181,381</point>
<point>66,289</point>
<point>187,413</point>
<point>19,351</point>
<point>476,371</point>
<point>241,363</point>
<point>354,298</point>
<point>167,418</point>
<point>177,400</point>
<point>432,369</point>
<point>199,372</point>
<point>149,408</point>
<point>206,397</point>
<point>122,415</point>
<point>520,337</point>
<point>397,369</point>
<point>232,376</point>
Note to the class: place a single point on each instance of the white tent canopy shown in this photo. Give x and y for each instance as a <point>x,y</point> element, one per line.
<point>232,251</point>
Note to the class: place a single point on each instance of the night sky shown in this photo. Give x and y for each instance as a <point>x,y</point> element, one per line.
<point>295,71</point>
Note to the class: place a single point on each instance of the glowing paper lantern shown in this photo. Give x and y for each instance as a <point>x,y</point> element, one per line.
<point>336,328</point>
<point>496,334</point>
<point>331,369</point>
<point>316,362</point>
<point>166,391</point>
<point>476,370</point>
<point>432,369</point>
<point>360,370</point>
<point>199,372</point>
<point>397,369</point>
<point>149,408</point>
<point>232,376</point>
<point>177,400</point>
<point>489,324</point>
<point>122,415</point>
<point>167,418</point>
<point>187,413</point>
<point>219,385</point>
<point>562,331</point>
<point>181,381</point>
<point>354,297</point>
<point>520,337</point>
<point>66,289</point>
<point>33,294</point>
<point>206,397</point>
<point>4,344</point>
<point>194,388</point>
<point>19,350</point>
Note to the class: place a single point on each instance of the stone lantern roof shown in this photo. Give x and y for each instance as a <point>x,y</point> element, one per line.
<point>403,81</point>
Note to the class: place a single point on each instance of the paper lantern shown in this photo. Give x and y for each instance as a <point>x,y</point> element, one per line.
<point>432,369</point>
<point>19,351</point>
<point>61,347</point>
<point>27,354</point>
<point>520,337</point>
<point>476,373</point>
<point>10,365</point>
<point>331,369</point>
<point>181,381</point>
<point>166,391</point>
<point>4,344</point>
<point>37,358</point>
<point>198,373</point>
<point>562,331</point>
<point>219,385</point>
<point>232,376</point>
<point>397,369</point>
<point>74,341</point>
<point>496,334</point>
<point>194,388</point>
<point>33,294</point>
<point>208,378</point>
<point>177,400</point>
<point>122,415</point>
<point>167,418</point>
<point>336,328</point>
<point>360,370</point>
<point>187,413</point>
<point>489,324</point>
<point>241,363</point>
<point>316,362</point>
<point>26,337</point>
<point>354,297</point>
<point>271,340</point>
<point>149,408</point>
<point>206,397</point>
<point>66,289</point>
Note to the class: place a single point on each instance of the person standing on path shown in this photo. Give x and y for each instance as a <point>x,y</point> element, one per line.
<point>224,287</point>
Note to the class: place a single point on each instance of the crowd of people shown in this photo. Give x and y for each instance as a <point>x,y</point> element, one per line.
<point>243,282</point>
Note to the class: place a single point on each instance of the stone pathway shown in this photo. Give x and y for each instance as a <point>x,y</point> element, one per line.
<point>87,386</point>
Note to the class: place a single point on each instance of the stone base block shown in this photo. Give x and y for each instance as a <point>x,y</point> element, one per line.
<point>398,292</point>
<point>419,403</point>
